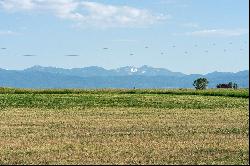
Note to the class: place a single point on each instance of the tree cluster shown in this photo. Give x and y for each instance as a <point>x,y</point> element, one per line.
<point>229,85</point>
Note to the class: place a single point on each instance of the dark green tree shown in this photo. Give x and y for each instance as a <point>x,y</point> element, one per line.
<point>230,85</point>
<point>200,83</point>
<point>235,86</point>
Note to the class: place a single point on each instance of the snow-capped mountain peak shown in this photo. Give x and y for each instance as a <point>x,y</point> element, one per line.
<point>133,70</point>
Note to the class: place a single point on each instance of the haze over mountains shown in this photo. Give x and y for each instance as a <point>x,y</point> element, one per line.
<point>124,77</point>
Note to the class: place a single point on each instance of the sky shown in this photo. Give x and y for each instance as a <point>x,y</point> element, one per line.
<point>189,36</point>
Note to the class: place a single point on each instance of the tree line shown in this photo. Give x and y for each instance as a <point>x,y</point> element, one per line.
<point>202,83</point>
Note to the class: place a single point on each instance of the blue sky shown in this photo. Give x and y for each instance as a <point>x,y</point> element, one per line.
<point>208,35</point>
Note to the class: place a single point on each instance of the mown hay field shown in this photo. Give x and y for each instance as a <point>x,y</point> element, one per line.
<point>73,126</point>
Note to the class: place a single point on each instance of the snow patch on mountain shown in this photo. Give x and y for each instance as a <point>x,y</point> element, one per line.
<point>133,70</point>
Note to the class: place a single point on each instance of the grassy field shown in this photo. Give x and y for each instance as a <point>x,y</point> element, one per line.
<point>73,126</point>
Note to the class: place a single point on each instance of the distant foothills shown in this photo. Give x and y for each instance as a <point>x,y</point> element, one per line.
<point>124,77</point>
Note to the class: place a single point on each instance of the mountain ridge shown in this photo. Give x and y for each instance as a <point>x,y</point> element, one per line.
<point>124,77</point>
<point>130,69</point>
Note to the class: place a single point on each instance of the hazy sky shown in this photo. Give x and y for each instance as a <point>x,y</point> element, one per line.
<point>189,36</point>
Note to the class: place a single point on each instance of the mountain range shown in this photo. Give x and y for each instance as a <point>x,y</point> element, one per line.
<point>124,77</point>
